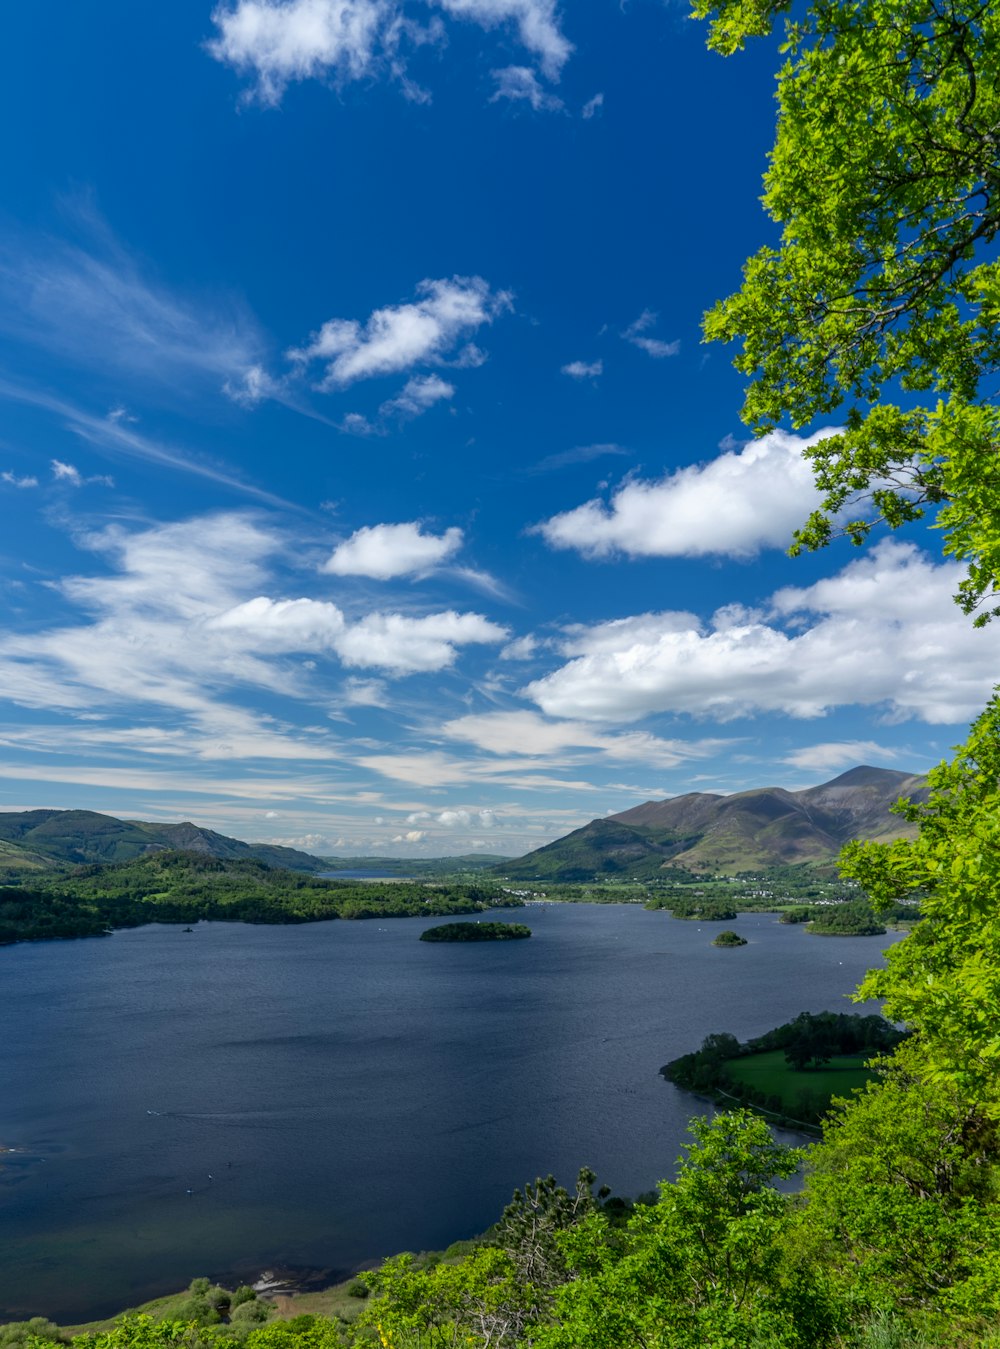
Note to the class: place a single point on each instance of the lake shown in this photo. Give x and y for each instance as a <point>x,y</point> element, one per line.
<point>318,1096</point>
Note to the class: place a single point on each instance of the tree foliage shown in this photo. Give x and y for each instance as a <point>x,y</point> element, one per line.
<point>884,291</point>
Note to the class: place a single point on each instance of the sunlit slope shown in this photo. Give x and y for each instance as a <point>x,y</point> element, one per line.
<point>60,836</point>
<point>704,832</point>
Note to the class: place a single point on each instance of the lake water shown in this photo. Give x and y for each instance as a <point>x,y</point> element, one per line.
<point>322,1095</point>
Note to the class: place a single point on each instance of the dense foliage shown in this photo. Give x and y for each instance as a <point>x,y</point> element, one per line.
<point>183,887</point>
<point>476,932</point>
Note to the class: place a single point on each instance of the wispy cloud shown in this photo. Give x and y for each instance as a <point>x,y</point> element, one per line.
<point>580,454</point>
<point>637,334</point>
<point>520,84</point>
<point>15,480</point>
<point>95,305</point>
<point>116,435</point>
<point>592,107</point>
<point>583,369</point>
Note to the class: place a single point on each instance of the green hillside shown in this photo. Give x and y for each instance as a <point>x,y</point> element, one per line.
<point>48,837</point>
<point>185,887</point>
<point>705,833</point>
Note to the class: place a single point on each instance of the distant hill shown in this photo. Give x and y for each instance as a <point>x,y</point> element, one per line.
<point>704,832</point>
<point>416,866</point>
<point>34,840</point>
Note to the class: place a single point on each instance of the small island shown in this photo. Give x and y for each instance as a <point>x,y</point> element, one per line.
<point>476,932</point>
<point>729,938</point>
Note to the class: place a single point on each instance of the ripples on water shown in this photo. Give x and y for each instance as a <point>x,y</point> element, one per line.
<point>319,1096</point>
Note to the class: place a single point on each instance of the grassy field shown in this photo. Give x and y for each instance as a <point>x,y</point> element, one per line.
<point>770,1074</point>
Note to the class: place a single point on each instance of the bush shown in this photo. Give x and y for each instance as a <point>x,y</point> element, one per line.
<point>243,1294</point>
<point>357,1289</point>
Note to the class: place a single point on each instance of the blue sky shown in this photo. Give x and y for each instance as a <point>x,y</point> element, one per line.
<point>365,484</point>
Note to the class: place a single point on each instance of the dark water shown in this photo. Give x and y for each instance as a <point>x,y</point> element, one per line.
<point>322,1095</point>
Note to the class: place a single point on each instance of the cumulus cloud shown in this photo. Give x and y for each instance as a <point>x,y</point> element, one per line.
<point>520,84</point>
<point>398,337</point>
<point>583,369</point>
<point>387,551</point>
<point>278,42</point>
<point>883,632</point>
<point>456,819</point>
<point>522,648</point>
<point>733,506</point>
<point>418,394</point>
<point>638,334</point>
<point>404,645</point>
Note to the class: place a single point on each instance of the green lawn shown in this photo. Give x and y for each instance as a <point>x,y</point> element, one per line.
<point>770,1074</point>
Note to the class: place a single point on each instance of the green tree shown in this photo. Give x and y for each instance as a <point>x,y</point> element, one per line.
<point>884,292</point>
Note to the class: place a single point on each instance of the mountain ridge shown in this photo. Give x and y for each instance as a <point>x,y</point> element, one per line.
<point>761,828</point>
<point>30,840</point>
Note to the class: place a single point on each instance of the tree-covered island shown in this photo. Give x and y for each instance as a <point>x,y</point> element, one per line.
<point>476,932</point>
<point>727,937</point>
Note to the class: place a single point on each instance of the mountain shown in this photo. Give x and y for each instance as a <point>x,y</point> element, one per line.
<point>32,840</point>
<point>704,832</point>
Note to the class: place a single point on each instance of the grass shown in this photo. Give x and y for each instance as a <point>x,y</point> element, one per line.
<point>770,1074</point>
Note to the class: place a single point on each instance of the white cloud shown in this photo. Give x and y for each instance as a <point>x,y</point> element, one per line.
<point>364,693</point>
<point>280,41</point>
<point>456,819</point>
<point>405,645</point>
<point>66,472</point>
<point>97,307</point>
<point>387,551</point>
<point>592,106</point>
<point>520,84</point>
<point>883,632</point>
<point>283,625</point>
<point>398,337</point>
<point>637,334</point>
<point>838,754</point>
<point>524,732</point>
<point>734,505</point>
<point>418,394</point>
<point>70,474</point>
<point>522,648</point>
<point>584,369</point>
<point>166,632</point>
<point>12,479</point>
<point>537,26</point>
<point>411,836</point>
<point>580,454</point>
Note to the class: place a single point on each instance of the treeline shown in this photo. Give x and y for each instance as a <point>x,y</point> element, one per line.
<point>810,1040</point>
<point>854,919</point>
<point>465,932</point>
<point>185,887</point>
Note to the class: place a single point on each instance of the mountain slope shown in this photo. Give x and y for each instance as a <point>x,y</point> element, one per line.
<point>705,832</point>
<point>33,838</point>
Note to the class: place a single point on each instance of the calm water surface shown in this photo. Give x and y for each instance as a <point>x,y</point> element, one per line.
<point>322,1095</point>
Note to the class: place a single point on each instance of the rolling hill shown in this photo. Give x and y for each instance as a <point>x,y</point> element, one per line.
<point>34,840</point>
<point>704,832</point>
